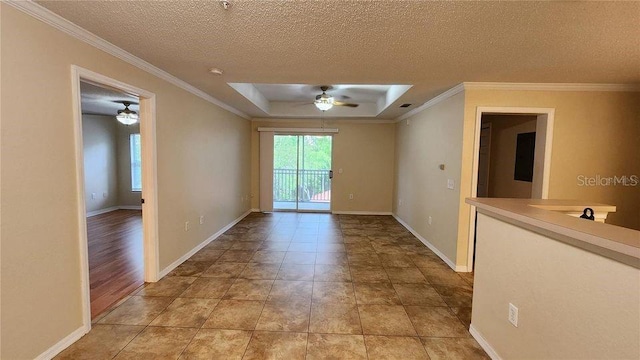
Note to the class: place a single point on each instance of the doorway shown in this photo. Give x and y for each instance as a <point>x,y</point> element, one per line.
<point>144,157</point>
<point>539,188</point>
<point>302,172</point>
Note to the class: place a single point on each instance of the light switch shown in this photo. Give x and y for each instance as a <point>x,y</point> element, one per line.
<point>450,184</point>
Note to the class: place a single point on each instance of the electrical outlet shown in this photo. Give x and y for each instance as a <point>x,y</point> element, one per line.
<point>430,220</point>
<point>93,196</point>
<point>400,202</point>
<point>350,196</point>
<point>186,226</point>
<point>201,220</point>
<point>104,195</point>
<point>513,315</point>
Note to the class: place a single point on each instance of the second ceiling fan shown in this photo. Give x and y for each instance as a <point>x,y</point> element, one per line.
<point>325,101</point>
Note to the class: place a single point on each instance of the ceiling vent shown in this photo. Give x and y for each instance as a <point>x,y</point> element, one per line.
<point>405,105</point>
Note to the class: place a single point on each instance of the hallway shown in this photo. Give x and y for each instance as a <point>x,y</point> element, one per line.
<point>296,286</point>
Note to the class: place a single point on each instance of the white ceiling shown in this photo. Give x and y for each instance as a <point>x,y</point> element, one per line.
<point>432,45</point>
<point>96,100</point>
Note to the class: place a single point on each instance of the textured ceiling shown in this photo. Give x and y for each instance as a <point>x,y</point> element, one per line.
<point>431,45</point>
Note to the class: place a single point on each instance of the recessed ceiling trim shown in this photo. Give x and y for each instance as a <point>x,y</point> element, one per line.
<point>252,94</point>
<point>69,28</point>
<point>393,94</point>
<point>445,95</point>
<point>299,130</point>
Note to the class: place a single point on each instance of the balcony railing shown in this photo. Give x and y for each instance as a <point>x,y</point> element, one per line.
<point>313,185</point>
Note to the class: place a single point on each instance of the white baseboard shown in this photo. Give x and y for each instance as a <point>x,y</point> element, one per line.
<point>130,207</point>
<point>255,210</point>
<point>361,213</point>
<point>442,256</point>
<point>484,344</point>
<point>113,208</point>
<point>189,254</point>
<point>63,344</point>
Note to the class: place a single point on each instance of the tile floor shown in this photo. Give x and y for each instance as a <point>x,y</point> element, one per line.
<point>296,286</point>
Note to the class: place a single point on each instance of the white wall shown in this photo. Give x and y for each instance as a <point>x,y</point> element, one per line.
<point>99,135</point>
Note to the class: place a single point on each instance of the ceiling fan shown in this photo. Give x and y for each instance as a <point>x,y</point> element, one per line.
<point>325,101</point>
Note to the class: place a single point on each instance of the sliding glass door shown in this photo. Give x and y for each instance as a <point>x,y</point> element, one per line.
<point>302,172</point>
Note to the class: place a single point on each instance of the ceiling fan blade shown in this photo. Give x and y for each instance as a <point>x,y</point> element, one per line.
<point>340,103</point>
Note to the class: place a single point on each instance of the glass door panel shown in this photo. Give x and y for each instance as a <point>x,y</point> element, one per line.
<point>285,166</point>
<point>302,172</point>
<point>314,172</point>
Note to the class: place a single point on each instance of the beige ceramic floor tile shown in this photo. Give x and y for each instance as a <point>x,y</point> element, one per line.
<point>158,343</point>
<point>332,273</point>
<point>208,288</point>
<point>458,296</point>
<point>235,314</point>
<point>224,270</point>
<point>217,344</point>
<point>285,316</point>
<point>436,321</point>
<point>295,272</point>
<point>167,286</point>
<point>369,274</point>
<point>395,347</point>
<point>454,349</point>
<point>289,291</point>
<point>335,318</point>
<point>327,258</point>
<point>103,341</point>
<point>333,292</point>
<point>268,257</point>
<point>418,294</point>
<point>276,345</point>
<point>191,268</point>
<point>442,276</point>
<point>236,256</point>
<point>138,310</point>
<point>299,258</point>
<point>207,255</point>
<point>376,294</point>
<point>336,347</point>
<point>244,289</point>
<point>186,312</point>
<point>464,314</point>
<point>409,275</point>
<point>385,320</point>
<point>259,271</point>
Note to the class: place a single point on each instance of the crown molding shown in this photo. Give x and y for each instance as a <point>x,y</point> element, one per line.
<point>550,86</point>
<point>325,120</point>
<point>58,22</point>
<point>445,95</point>
<point>519,87</point>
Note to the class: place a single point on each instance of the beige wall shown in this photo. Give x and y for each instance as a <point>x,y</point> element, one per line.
<point>99,135</point>
<point>203,157</point>
<point>363,151</point>
<point>504,135</point>
<point>573,304</point>
<point>126,196</point>
<point>595,133</point>
<point>423,142</point>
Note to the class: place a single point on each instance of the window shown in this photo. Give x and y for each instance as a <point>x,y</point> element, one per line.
<point>136,162</point>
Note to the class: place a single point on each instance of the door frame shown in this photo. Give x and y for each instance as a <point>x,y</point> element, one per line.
<point>149,178</point>
<point>542,160</point>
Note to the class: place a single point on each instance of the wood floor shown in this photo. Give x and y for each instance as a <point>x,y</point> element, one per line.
<point>115,257</point>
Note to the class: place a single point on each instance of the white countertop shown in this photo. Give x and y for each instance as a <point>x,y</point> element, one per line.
<point>543,216</point>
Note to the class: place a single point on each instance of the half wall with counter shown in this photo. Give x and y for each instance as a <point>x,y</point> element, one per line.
<point>575,283</point>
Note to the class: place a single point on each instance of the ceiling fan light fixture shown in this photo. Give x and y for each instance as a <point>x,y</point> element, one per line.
<point>126,116</point>
<point>324,103</point>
